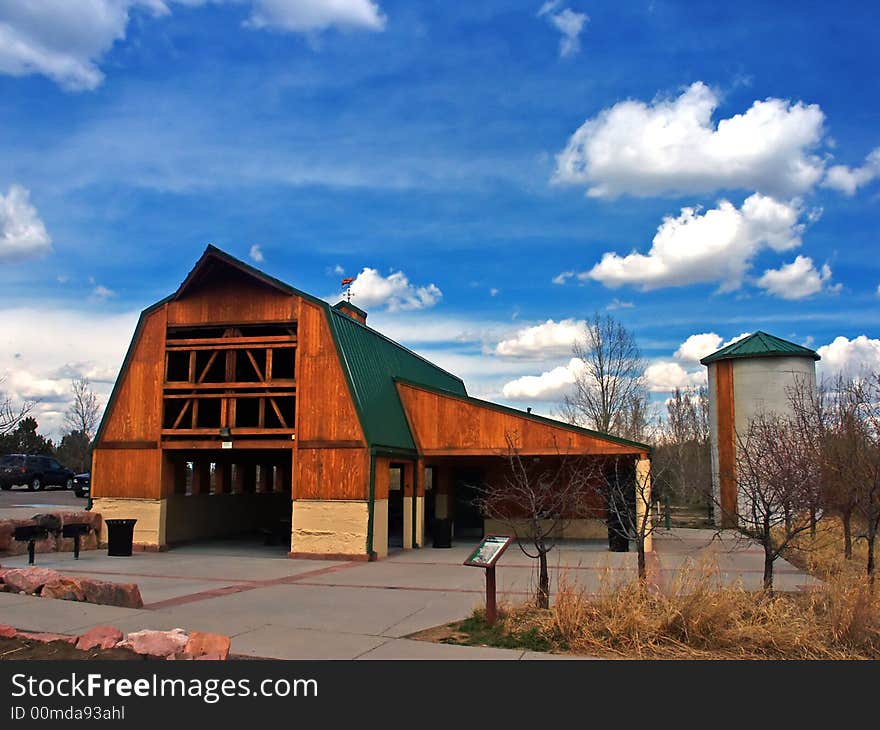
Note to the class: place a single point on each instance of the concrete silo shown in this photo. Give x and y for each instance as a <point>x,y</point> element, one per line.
<point>752,375</point>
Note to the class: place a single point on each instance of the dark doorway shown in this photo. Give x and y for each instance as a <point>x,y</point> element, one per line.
<point>466,514</point>
<point>395,507</point>
<point>430,505</point>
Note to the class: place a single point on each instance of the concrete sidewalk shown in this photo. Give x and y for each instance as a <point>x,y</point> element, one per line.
<point>272,606</point>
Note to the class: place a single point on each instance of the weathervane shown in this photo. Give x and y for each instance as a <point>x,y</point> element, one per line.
<point>346,286</point>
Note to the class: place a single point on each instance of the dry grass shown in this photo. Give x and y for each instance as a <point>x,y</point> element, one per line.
<point>822,555</point>
<point>698,618</point>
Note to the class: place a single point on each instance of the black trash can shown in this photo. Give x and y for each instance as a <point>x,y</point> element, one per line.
<point>120,535</point>
<point>441,532</point>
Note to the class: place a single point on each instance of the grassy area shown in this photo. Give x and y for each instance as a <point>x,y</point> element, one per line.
<point>822,555</point>
<point>697,618</point>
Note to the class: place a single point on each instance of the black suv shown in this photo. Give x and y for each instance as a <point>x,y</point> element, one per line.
<point>36,472</point>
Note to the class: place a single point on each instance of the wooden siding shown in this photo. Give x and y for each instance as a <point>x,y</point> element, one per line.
<point>331,474</point>
<point>447,425</point>
<point>383,476</point>
<point>325,411</point>
<point>136,413</point>
<point>126,473</point>
<point>225,295</point>
<point>726,441</point>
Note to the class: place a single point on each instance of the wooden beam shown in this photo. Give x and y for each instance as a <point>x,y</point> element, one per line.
<point>240,444</point>
<point>331,444</point>
<point>188,396</point>
<point>221,342</point>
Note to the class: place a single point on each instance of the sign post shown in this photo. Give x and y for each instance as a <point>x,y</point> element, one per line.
<point>485,556</point>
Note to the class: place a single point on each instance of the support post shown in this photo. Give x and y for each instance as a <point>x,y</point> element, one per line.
<point>491,605</point>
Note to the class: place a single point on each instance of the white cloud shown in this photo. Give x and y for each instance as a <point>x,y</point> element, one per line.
<point>797,280</point>
<point>22,233</point>
<point>849,357</point>
<point>394,291</point>
<point>316,15</point>
<point>563,277</point>
<point>619,304</point>
<point>493,292</point>
<point>701,247</point>
<point>671,146</point>
<point>698,346</point>
<point>569,23</point>
<point>550,386</point>
<point>664,376</point>
<point>42,349</point>
<point>338,270</point>
<point>66,40</point>
<point>848,179</point>
<point>101,293</point>
<point>544,340</point>
<point>256,254</point>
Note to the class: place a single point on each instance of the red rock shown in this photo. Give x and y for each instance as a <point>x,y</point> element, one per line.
<point>7,632</point>
<point>156,643</point>
<point>100,637</point>
<point>209,658</point>
<point>202,644</point>
<point>45,638</point>
<point>64,587</point>
<point>29,580</point>
<point>124,595</point>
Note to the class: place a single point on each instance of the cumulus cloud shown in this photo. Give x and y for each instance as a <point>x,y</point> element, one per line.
<point>316,15</point>
<point>548,339</point>
<point>256,254</point>
<point>673,146</point>
<point>563,277</point>
<point>716,245</point>
<point>849,357</point>
<point>664,376</point>
<point>550,386</point>
<point>22,233</point>
<point>698,346</point>
<point>569,23</point>
<point>42,350</point>
<point>797,280</point>
<point>849,179</point>
<point>370,289</point>
<point>66,40</point>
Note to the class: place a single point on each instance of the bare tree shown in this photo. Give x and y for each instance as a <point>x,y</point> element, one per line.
<point>863,447</point>
<point>683,452</point>
<point>83,413</point>
<point>777,479</point>
<point>534,498</point>
<point>611,379</point>
<point>628,491</point>
<point>11,412</point>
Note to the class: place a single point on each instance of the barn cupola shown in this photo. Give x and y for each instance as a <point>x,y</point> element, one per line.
<point>350,310</point>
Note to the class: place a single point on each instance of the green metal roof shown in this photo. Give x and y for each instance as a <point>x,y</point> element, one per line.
<point>760,344</point>
<point>372,363</point>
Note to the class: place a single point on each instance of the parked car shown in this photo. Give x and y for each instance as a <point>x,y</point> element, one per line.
<point>82,485</point>
<point>37,472</point>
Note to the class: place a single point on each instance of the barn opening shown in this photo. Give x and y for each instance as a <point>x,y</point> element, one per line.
<point>217,494</point>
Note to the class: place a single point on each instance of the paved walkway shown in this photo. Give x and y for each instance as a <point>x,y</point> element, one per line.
<point>276,607</point>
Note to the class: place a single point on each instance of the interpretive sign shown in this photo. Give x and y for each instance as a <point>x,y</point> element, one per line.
<point>488,551</point>
<point>485,556</point>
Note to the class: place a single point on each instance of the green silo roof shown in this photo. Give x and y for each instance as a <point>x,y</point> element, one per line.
<point>372,363</point>
<point>760,344</point>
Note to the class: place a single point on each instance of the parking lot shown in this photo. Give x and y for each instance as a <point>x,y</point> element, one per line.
<point>19,503</point>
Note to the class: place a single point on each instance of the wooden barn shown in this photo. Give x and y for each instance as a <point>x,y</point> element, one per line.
<point>246,405</point>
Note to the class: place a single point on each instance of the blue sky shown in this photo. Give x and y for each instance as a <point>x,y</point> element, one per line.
<point>456,158</point>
